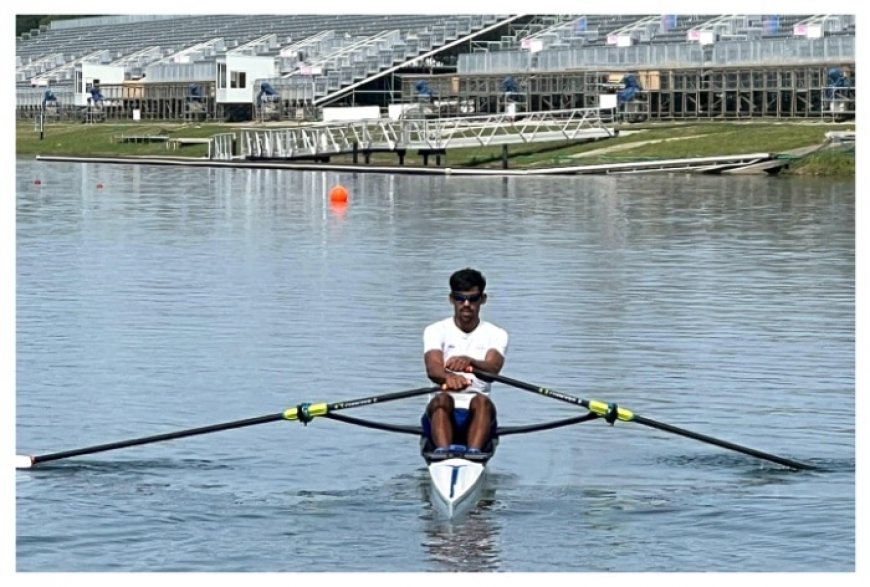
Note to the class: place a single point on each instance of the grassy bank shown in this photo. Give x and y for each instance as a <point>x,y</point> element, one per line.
<point>92,140</point>
<point>835,162</point>
<point>636,142</point>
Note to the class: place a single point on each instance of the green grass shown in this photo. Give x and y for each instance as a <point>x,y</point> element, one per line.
<point>834,162</point>
<point>637,142</point>
<point>731,139</point>
<point>92,140</point>
<point>685,141</point>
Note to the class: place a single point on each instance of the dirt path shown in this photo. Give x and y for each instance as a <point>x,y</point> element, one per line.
<point>635,144</point>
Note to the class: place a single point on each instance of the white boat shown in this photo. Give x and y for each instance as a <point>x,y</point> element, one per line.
<point>456,480</point>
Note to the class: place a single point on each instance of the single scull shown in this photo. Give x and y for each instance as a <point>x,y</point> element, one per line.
<point>456,478</point>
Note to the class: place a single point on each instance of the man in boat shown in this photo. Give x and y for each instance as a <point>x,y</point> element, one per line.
<point>463,414</point>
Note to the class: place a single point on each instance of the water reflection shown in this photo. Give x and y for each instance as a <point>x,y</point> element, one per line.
<point>469,543</point>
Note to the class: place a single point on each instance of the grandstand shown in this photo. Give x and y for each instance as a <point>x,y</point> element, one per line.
<point>289,67</point>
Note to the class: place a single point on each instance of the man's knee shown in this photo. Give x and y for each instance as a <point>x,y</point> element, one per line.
<point>481,404</point>
<point>442,401</point>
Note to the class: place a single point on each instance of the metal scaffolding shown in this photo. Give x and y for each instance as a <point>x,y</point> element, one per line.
<point>698,92</point>
<point>778,91</point>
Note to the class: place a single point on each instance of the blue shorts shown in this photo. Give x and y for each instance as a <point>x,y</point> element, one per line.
<point>460,426</point>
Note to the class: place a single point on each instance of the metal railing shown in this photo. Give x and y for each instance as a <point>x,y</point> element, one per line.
<point>109,20</point>
<point>181,72</point>
<point>758,52</point>
<point>27,97</point>
<point>427,134</point>
<point>221,146</point>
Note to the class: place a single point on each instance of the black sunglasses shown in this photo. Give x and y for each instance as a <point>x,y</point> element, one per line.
<point>462,298</point>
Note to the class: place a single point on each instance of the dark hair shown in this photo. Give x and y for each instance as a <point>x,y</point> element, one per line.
<point>466,279</point>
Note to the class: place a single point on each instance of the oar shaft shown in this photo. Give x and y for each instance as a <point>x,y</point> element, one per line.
<point>302,412</point>
<point>722,443</point>
<point>625,415</point>
<point>533,388</point>
<point>156,438</point>
<point>306,412</point>
<point>377,399</point>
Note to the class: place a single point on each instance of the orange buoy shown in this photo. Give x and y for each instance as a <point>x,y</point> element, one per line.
<point>338,194</point>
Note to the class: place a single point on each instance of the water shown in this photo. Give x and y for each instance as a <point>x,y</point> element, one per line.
<point>156,299</point>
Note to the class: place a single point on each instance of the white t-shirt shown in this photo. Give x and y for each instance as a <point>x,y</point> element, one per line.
<point>446,337</point>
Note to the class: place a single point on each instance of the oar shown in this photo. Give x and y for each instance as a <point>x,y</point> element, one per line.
<point>303,412</point>
<point>611,413</point>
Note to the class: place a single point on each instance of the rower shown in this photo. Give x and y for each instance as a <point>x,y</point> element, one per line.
<point>462,415</point>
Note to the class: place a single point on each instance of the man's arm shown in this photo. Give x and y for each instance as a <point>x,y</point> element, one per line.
<point>493,363</point>
<point>438,372</point>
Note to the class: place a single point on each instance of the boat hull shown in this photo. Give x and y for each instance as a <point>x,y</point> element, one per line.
<point>456,484</point>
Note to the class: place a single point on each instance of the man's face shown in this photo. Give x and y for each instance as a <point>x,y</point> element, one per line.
<point>466,305</point>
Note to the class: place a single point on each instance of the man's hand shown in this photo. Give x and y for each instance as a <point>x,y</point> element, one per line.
<point>459,364</point>
<point>455,382</point>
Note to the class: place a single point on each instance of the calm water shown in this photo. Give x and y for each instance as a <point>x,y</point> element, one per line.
<point>153,299</point>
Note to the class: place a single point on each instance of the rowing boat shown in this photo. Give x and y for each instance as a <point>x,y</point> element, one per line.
<point>456,478</point>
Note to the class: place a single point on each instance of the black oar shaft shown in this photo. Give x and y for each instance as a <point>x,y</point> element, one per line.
<point>302,412</point>
<point>533,388</point>
<point>386,397</point>
<point>722,443</point>
<point>156,438</point>
<point>629,416</point>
